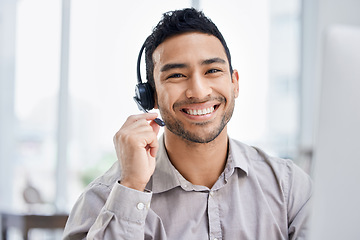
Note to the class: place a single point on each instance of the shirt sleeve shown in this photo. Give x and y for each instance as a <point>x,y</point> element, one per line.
<point>118,214</point>
<point>299,203</point>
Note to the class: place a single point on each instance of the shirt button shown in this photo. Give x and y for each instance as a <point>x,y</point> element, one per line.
<point>215,239</point>
<point>140,206</point>
<point>212,194</point>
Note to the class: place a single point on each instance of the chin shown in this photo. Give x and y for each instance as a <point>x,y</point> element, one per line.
<point>203,132</point>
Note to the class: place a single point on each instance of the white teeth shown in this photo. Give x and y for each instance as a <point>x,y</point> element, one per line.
<point>200,111</point>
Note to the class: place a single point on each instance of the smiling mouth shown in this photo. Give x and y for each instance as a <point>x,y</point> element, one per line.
<point>199,112</point>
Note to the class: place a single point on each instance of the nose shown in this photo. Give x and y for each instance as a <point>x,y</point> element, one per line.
<point>198,87</point>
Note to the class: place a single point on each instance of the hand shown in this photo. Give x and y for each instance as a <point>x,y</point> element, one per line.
<point>136,146</point>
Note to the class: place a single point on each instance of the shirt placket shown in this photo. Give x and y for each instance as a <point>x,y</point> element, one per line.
<point>214,217</point>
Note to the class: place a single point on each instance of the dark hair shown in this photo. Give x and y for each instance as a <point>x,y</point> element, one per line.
<point>175,23</point>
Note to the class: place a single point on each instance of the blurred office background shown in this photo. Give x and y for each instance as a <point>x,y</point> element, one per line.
<point>68,71</point>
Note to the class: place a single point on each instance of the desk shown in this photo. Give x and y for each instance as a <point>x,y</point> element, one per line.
<point>25,222</point>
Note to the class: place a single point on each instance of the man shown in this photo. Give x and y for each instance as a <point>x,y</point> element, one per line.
<point>194,182</point>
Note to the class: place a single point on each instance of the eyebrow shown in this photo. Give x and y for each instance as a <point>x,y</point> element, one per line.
<point>213,60</point>
<point>170,66</point>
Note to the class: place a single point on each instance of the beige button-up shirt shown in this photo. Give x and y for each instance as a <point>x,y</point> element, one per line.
<point>256,197</point>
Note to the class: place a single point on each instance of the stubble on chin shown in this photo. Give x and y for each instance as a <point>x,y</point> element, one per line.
<point>177,127</point>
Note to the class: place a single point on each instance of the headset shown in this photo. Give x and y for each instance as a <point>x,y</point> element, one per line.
<point>144,94</point>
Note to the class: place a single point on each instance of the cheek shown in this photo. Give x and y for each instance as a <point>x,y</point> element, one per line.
<point>226,90</point>
<point>168,95</point>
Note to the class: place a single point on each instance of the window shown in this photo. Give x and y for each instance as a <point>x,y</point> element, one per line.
<point>105,38</point>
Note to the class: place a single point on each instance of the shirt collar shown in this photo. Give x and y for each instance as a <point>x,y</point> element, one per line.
<point>239,155</point>
<point>166,176</point>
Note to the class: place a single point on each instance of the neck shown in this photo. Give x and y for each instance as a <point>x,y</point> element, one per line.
<point>199,163</point>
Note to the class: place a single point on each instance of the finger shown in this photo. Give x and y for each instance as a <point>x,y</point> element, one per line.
<point>131,126</point>
<point>153,152</point>
<point>153,147</point>
<point>137,118</point>
<point>155,127</point>
<point>146,116</point>
<point>150,138</point>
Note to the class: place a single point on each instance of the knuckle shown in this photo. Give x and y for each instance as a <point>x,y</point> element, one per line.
<point>116,137</point>
<point>128,138</point>
<point>132,118</point>
<point>120,136</point>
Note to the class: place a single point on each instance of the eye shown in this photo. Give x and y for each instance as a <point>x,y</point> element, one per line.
<point>213,71</point>
<point>176,75</point>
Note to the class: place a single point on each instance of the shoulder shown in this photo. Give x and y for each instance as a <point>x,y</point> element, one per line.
<point>284,170</point>
<point>285,187</point>
<point>294,184</point>
<point>270,171</point>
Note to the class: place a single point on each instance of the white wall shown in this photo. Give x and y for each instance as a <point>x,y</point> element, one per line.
<point>7,71</point>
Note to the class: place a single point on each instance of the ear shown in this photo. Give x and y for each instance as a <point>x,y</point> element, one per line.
<point>235,82</point>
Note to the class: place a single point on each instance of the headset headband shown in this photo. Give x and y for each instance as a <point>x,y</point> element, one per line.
<point>138,64</point>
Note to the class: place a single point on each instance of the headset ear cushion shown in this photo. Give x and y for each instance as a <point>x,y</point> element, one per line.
<point>145,95</point>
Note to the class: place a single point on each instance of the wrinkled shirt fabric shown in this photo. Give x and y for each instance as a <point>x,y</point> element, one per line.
<point>256,197</point>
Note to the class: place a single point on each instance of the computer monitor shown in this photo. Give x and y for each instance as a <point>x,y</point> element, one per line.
<point>336,201</point>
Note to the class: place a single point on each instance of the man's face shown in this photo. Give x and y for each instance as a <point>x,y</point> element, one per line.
<point>195,91</point>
